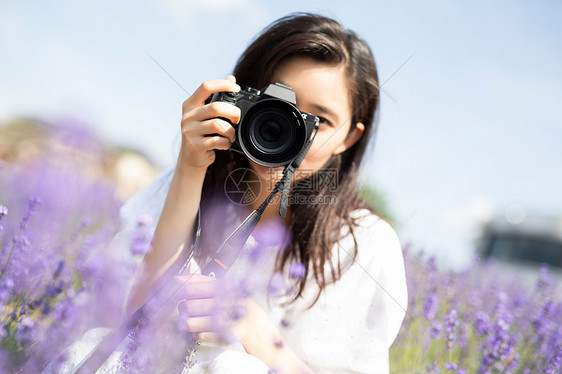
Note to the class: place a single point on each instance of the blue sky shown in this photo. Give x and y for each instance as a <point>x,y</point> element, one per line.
<point>469,126</point>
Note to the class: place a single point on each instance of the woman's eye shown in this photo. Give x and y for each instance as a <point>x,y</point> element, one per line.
<point>325,121</point>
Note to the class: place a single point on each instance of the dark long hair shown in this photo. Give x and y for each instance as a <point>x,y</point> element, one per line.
<point>314,228</point>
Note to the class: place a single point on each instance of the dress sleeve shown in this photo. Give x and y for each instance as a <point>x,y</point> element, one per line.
<point>385,309</point>
<point>148,201</point>
<point>145,205</point>
<point>358,317</point>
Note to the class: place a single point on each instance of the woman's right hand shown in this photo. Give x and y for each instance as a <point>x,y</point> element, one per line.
<point>199,120</point>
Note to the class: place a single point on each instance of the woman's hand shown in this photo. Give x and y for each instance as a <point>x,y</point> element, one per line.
<point>211,310</point>
<point>200,121</point>
<point>213,313</point>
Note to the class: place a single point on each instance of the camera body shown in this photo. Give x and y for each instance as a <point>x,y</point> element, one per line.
<point>271,131</point>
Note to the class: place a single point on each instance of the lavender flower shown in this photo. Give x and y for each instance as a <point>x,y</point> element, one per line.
<point>435,330</point>
<point>272,233</point>
<point>555,363</point>
<point>540,320</point>
<point>32,205</point>
<point>451,366</point>
<point>433,369</point>
<point>500,346</point>
<point>481,323</point>
<point>6,287</point>
<point>463,337</point>
<point>140,243</point>
<point>3,213</point>
<point>26,331</point>
<point>297,270</point>
<point>451,321</point>
<point>430,306</point>
<point>544,280</point>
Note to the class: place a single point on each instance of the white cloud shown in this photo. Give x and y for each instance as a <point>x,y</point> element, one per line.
<point>194,14</point>
<point>187,6</point>
<point>467,219</point>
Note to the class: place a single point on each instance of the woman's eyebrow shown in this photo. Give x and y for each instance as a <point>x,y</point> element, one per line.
<point>325,110</point>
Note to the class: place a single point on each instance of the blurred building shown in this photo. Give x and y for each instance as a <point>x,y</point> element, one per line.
<point>25,141</point>
<point>520,242</point>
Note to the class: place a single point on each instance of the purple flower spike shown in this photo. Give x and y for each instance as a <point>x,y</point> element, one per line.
<point>6,287</point>
<point>32,205</point>
<point>142,236</point>
<point>436,330</point>
<point>297,270</point>
<point>451,366</point>
<point>555,363</point>
<point>3,213</point>
<point>450,322</point>
<point>499,346</point>
<point>544,280</point>
<point>481,323</point>
<point>430,306</point>
<point>26,331</point>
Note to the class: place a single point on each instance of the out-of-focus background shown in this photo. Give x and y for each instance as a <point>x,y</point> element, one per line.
<point>468,154</point>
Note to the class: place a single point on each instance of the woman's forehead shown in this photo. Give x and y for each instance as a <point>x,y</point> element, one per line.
<point>316,84</point>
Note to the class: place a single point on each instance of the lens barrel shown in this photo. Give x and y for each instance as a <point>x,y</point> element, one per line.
<point>272,132</point>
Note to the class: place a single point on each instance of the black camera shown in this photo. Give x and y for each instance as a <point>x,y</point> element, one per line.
<point>271,131</point>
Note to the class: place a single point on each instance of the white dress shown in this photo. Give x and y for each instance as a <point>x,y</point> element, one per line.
<point>353,323</point>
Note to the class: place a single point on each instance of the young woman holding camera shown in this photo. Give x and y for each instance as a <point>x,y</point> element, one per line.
<point>343,261</point>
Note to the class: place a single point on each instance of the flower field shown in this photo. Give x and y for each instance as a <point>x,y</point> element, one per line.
<point>55,263</point>
<point>471,322</point>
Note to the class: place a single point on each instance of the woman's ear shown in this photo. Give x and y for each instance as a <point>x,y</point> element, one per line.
<point>351,139</point>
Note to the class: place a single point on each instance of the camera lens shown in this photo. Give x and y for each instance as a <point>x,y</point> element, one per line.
<point>272,132</point>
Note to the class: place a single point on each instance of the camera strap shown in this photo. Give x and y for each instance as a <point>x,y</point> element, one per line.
<point>289,172</point>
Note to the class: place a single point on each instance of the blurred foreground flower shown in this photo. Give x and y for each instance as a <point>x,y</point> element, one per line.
<point>60,278</point>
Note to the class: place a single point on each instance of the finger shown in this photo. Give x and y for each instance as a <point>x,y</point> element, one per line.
<point>209,337</point>
<point>231,78</point>
<point>201,324</point>
<point>198,307</point>
<point>197,286</point>
<point>216,142</point>
<point>212,337</point>
<point>217,109</point>
<point>216,126</point>
<point>208,88</point>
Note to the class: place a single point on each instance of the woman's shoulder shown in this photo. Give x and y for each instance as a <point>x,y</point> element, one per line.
<point>375,239</point>
<point>370,225</point>
<point>366,216</point>
<point>147,201</point>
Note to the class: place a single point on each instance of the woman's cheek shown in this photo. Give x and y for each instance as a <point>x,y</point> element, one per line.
<point>320,151</point>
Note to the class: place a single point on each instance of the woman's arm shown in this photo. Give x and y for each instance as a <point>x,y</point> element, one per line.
<point>173,230</point>
<point>199,120</point>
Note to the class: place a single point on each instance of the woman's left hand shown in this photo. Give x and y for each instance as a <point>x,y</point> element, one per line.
<point>213,312</point>
<point>211,309</point>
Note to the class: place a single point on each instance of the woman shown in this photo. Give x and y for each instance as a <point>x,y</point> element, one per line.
<point>344,263</point>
